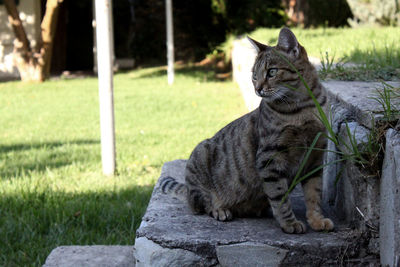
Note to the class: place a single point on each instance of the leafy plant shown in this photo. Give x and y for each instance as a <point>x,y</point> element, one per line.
<point>384,98</point>
<point>327,63</point>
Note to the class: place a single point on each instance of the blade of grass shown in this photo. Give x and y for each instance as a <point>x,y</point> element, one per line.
<point>302,164</point>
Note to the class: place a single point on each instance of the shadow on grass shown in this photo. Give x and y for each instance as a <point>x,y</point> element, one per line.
<point>34,223</point>
<point>20,159</point>
<point>388,56</point>
<point>49,145</point>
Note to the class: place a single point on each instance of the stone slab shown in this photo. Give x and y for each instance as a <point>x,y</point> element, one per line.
<point>250,254</point>
<point>169,223</point>
<point>389,229</point>
<point>358,97</point>
<point>91,256</point>
<point>152,254</point>
<point>357,190</point>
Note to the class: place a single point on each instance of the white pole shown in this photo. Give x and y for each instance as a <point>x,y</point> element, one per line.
<point>94,37</point>
<point>170,41</point>
<point>105,75</point>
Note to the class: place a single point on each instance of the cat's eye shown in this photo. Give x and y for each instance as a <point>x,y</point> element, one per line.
<point>272,72</point>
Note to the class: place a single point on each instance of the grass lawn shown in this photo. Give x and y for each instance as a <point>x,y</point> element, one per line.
<point>52,191</point>
<point>341,42</point>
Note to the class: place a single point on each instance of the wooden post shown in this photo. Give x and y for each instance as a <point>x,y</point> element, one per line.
<point>105,77</point>
<point>170,41</point>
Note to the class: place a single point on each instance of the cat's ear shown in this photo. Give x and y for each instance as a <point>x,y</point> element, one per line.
<point>287,40</point>
<point>257,45</point>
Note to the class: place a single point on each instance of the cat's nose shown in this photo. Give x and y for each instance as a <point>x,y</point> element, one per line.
<point>258,87</point>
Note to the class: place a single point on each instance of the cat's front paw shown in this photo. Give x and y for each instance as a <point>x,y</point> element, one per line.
<point>321,224</point>
<point>294,227</point>
<point>222,214</point>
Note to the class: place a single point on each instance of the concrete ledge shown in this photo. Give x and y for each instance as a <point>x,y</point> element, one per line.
<point>151,254</point>
<point>91,256</point>
<point>250,254</point>
<point>169,225</point>
<point>389,228</point>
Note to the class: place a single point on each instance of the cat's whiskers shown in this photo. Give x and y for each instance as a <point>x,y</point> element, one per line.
<point>281,97</point>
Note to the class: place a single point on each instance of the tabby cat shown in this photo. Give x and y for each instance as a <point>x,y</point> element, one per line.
<point>246,167</point>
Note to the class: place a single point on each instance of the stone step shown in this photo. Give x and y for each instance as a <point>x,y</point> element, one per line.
<point>170,235</point>
<point>91,256</point>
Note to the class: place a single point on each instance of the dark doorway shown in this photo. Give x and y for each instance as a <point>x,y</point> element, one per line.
<point>73,43</point>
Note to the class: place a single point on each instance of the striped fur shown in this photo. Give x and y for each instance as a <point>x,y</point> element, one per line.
<point>246,167</point>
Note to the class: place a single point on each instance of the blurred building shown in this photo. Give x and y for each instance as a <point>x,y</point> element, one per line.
<point>30,16</point>
<point>74,39</point>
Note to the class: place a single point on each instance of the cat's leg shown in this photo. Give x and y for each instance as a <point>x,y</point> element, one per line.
<point>202,202</point>
<point>276,188</point>
<point>218,209</point>
<point>312,196</point>
<point>271,169</point>
<point>221,214</point>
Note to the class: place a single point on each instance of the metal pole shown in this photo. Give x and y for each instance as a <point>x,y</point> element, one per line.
<point>170,41</point>
<point>105,77</point>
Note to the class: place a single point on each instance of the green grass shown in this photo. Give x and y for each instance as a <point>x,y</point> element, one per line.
<point>52,191</point>
<point>375,50</point>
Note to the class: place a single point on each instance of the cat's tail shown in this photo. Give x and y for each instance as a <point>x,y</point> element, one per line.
<point>170,186</point>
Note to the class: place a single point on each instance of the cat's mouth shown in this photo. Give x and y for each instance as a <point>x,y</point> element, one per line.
<point>265,92</point>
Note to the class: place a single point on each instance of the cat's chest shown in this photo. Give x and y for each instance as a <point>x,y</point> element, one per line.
<point>289,133</point>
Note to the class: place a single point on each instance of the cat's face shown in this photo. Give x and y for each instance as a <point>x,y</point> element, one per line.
<point>272,76</point>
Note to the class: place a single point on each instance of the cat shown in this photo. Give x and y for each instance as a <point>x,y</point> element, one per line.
<point>246,167</point>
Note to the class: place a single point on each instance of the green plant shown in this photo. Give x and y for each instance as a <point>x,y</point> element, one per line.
<point>327,63</point>
<point>385,99</point>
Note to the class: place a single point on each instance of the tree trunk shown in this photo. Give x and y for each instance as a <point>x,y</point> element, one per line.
<point>33,65</point>
<point>48,26</point>
<point>296,10</point>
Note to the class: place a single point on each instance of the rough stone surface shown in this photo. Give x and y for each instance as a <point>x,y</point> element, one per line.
<point>358,98</point>
<point>331,171</point>
<point>152,254</point>
<point>250,254</point>
<point>389,229</point>
<point>357,191</point>
<point>91,256</point>
<point>169,223</point>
